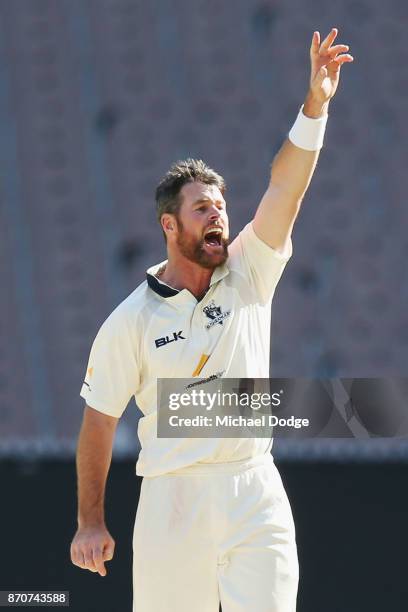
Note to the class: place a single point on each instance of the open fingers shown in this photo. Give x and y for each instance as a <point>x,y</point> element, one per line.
<point>325,49</point>
<point>337,49</point>
<point>328,40</point>
<point>324,52</point>
<point>342,59</point>
<point>315,46</point>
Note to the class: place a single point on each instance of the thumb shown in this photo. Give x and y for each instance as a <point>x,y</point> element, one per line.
<point>108,551</point>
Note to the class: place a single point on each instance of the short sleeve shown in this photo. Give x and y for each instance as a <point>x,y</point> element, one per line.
<point>262,265</point>
<point>112,374</point>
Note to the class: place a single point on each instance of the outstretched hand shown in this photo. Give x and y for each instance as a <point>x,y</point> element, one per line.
<point>326,62</point>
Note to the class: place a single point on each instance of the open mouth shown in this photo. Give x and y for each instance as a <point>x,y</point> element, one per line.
<point>213,237</point>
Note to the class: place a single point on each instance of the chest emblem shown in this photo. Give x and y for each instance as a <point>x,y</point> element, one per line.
<point>215,314</point>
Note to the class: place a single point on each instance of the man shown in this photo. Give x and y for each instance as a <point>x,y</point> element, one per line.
<point>213,523</point>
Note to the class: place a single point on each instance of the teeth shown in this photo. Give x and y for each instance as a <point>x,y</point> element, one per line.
<point>214,230</point>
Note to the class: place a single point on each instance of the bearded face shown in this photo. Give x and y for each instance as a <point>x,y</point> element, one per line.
<point>208,250</point>
<point>199,231</point>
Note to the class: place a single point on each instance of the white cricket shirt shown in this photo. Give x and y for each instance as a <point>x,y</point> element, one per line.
<point>159,332</point>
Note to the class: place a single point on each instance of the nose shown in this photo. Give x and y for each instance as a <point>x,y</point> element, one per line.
<point>215,214</point>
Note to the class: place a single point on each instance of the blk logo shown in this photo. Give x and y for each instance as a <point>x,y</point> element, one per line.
<point>167,339</point>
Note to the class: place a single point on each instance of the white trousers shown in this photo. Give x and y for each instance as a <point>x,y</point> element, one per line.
<point>211,533</point>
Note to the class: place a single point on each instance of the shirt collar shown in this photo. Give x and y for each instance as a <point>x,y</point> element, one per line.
<point>165,291</point>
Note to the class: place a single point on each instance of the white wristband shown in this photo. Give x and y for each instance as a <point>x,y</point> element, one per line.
<point>308,133</point>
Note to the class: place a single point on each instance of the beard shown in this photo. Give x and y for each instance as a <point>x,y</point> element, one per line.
<point>194,250</point>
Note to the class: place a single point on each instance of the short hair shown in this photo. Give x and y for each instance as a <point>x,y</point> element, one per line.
<point>182,172</point>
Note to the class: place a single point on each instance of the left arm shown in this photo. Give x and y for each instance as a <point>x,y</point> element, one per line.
<point>293,167</point>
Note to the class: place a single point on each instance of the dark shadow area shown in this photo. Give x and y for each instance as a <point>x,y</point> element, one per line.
<point>350,519</point>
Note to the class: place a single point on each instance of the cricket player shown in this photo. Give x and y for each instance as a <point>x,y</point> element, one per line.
<point>213,524</point>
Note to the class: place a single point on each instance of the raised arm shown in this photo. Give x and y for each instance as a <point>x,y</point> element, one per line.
<point>293,166</point>
<point>92,544</point>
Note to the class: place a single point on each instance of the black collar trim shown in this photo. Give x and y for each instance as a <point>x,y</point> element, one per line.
<point>160,288</point>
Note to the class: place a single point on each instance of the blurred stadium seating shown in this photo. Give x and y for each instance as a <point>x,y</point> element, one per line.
<point>98,97</point>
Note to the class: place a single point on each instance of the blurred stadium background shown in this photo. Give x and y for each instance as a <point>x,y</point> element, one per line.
<point>97,99</point>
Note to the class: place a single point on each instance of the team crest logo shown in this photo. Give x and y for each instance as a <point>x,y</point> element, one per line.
<point>215,313</point>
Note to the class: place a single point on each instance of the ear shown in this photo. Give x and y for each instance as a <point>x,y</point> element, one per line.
<point>168,223</point>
